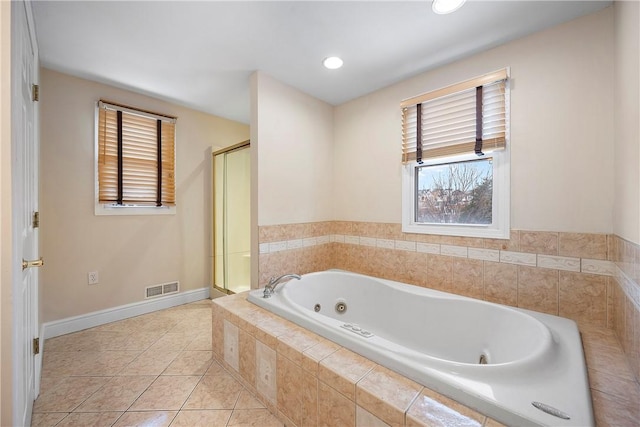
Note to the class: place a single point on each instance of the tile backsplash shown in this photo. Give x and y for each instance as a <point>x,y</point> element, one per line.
<point>626,299</point>
<point>590,278</point>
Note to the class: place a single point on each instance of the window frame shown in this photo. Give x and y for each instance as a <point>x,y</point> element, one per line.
<point>499,229</point>
<point>101,208</point>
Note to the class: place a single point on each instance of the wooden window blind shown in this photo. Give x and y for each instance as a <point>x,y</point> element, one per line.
<point>464,118</point>
<point>136,157</point>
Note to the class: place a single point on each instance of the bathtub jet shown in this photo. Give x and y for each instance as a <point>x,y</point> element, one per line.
<point>518,366</point>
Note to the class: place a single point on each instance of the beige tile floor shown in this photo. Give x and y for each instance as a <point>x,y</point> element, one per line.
<point>152,370</point>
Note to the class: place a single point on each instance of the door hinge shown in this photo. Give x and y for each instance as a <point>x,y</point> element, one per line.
<point>36,219</point>
<point>36,346</point>
<point>35,92</point>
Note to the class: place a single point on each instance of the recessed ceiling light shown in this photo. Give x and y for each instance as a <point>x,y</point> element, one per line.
<point>332,62</point>
<point>442,7</point>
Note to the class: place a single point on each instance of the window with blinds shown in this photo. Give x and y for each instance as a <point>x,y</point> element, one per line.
<point>136,157</point>
<point>469,117</point>
<point>455,178</point>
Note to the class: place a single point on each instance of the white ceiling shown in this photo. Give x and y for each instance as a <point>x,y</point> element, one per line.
<point>201,54</point>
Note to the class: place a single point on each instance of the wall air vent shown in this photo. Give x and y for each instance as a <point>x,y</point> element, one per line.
<point>153,291</point>
<point>169,288</point>
<point>162,289</point>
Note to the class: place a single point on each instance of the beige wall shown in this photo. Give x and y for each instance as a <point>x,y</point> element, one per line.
<point>293,141</point>
<point>128,252</point>
<point>626,221</point>
<point>561,131</point>
<point>6,277</point>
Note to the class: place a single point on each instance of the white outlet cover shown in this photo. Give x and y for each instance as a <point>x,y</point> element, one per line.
<point>93,277</point>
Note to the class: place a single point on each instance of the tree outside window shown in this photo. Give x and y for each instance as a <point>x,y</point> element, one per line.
<point>455,193</point>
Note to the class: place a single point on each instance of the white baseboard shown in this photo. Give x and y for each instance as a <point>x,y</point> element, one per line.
<point>97,318</point>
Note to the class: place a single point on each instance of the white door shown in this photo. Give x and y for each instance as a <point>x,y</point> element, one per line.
<point>25,158</point>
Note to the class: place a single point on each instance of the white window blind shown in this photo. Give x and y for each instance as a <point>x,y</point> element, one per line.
<point>464,118</point>
<point>136,157</point>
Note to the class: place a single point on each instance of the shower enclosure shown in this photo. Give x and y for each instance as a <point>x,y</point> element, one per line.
<point>231,219</point>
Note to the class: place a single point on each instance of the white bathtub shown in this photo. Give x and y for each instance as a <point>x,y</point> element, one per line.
<point>496,359</point>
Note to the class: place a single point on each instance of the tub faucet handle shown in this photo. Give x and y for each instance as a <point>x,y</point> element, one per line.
<point>270,288</point>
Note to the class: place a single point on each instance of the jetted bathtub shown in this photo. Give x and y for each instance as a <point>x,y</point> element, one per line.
<point>517,366</point>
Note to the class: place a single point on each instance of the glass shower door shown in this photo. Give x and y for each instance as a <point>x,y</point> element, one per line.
<point>232,220</point>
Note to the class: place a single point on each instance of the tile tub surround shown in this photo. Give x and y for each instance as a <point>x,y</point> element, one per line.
<point>626,299</point>
<point>565,274</point>
<point>307,380</point>
<point>593,279</point>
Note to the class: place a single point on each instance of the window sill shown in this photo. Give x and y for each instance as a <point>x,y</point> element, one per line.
<point>456,230</point>
<point>102,209</point>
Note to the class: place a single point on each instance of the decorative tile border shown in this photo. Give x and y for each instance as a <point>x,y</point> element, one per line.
<point>596,266</point>
<point>428,248</point>
<point>484,254</point>
<point>629,286</point>
<point>565,263</point>
<point>520,258</point>
<point>626,268</point>
<point>452,250</point>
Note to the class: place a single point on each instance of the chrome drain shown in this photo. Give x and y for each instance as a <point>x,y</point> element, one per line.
<point>317,308</point>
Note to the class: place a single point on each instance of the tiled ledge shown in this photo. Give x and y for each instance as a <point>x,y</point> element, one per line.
<point>305,379</point>
<point>554,262</point>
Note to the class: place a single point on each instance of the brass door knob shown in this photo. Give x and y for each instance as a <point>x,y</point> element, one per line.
<point>33,263</point>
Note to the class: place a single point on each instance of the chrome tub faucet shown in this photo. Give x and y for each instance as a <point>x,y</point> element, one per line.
<point>270,288</point>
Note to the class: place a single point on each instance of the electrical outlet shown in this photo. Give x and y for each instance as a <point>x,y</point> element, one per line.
<point>92,277</point>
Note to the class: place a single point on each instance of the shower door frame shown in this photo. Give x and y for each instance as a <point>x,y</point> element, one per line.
<point>235,147</point>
